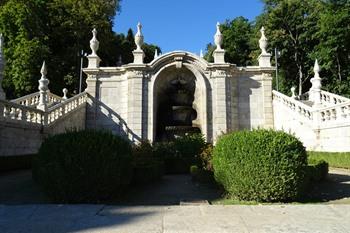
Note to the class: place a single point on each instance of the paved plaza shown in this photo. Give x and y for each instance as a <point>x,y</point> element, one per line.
<point>201,219</point>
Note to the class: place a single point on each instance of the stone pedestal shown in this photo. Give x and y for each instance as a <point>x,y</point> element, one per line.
<point>219,56</point>
<point>139,55</point>
<point>94,61</point>
<point>265,60</point>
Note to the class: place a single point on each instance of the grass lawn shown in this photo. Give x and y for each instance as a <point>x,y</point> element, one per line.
<point>340,160</point>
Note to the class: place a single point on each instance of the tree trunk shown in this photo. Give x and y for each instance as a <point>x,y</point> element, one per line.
<point>339,69</point>
<point>300,80</point>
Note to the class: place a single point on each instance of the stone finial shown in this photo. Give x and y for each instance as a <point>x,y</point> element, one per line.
<point>263,41</point>
<point>218,38</point>
<point>94,43</point>
<point>156,54</point>
<point>201,54</point>
<point>43,88</point>
<point>65,92</point>
<point>315,90</point>
<point>139,37</point>
<point>293,92</point>
<point>317,69</point>
<point>265,57</point>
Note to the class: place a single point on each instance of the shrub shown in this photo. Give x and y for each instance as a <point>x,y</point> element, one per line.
<point>317,170</point>
<point>147,165</point>
<point>181,153</point>
<point>85,166</point>
<point>260,165</point>
<point>206,157</point>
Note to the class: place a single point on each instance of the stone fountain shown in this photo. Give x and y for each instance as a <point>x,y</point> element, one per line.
<point>181,96</point>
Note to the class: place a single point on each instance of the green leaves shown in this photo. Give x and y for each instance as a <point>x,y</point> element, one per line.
<point>260,165</point>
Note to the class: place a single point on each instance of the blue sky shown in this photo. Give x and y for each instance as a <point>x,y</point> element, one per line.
<point>181,24</point>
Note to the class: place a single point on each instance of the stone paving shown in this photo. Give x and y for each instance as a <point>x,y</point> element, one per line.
<point>201,219</point>
<point>156,208</point>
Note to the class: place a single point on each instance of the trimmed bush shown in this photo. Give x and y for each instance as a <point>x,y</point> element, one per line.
<point>85,166</point>
<point>181,153</point>
<point>148,167</point>
<point>261,165</point>
<point>17,162</point>
<point>317,170</point>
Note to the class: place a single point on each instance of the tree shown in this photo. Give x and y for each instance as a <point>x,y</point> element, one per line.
<point>291,26</point>
<point>334,47</point>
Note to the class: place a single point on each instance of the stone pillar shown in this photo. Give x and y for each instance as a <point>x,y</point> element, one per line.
<point>315,90</point>
<point>219,53</point>
<point>2,65</point>
<point>135,105</point>
<point>94,59</point>
<point>43,88</point>
<point>139,55</point>
<point>219,103</point>
<point>267,100</point>
<point>265,57</point>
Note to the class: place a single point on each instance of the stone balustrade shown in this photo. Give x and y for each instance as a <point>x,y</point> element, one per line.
<point>22,112</point>
<point>33,99</point>
<point>302,110</point>
<point>328,98</point>
<point>65,107</point>
<point>16,112</point>
<point>337,113</point>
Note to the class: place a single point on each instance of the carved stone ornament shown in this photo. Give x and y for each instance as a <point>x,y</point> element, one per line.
<point>263,41</point>
<point>94,43</point>
<point>316,80</point>
<point>218,38</point>
<point>139,37</point>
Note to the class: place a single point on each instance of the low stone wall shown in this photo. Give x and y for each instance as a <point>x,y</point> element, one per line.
<point>21,138</point>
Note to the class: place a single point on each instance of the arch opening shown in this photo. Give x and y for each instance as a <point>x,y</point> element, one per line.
<point>176,104</point>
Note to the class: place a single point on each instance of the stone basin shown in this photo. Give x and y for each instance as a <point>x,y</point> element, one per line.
<point>183,115</point>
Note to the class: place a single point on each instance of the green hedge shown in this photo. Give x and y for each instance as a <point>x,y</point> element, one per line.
<point>261,165</point>
<point>180,154</point>
<point>146,165</point>
<point>17,162</point>
<point>86,166</point>
<point>317,170</point>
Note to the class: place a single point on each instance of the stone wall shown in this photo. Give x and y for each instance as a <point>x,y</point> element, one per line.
<point>227,98</point>
<point>21,138</point>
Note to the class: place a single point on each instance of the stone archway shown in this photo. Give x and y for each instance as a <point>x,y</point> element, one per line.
<point>160,104</point>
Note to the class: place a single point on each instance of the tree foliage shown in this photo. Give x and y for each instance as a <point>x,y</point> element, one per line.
<point>57,31</point>
<point>302,30</point>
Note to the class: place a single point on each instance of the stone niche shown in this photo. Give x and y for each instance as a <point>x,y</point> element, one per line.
<point>176,103</point>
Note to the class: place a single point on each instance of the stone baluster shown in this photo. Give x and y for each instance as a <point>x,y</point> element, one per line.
<point>219,53</point>
<point>315,90</point>
<point>93,58</point>
<point>265,57</point>
<point>43,88</point>
<point>138,53</point>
